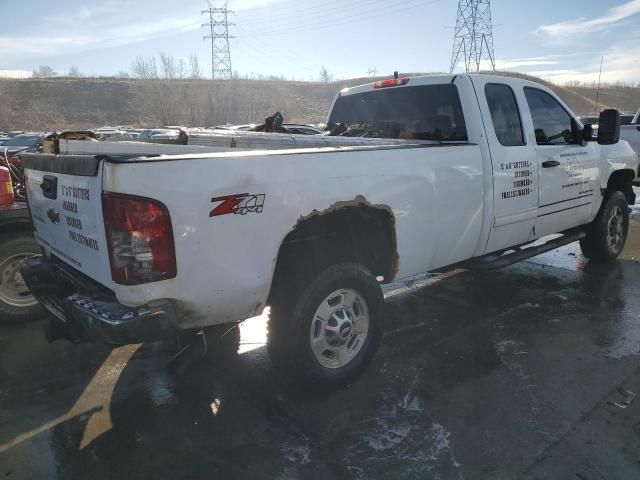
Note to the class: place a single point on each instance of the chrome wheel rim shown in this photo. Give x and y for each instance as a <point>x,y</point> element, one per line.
<point>615,229</point>
<point>339,328</point>
<point>13,290</point>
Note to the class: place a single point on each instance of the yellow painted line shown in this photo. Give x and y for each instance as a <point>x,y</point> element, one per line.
<point>95,399</point>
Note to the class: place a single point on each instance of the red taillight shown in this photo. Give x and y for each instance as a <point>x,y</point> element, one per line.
<point>139,238</point>
<point>13,159</point>
<point>391,82</point>
<point>6,187</point>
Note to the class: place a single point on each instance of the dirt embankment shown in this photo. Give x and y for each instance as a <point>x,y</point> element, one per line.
<point>61,103</point>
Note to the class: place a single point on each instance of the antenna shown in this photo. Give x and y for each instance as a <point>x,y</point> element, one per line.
<point>473,37</point>
<point>218,26</point>
<point>595,111</point>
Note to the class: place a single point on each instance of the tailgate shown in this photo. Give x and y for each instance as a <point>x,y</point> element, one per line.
<point>64,193</point>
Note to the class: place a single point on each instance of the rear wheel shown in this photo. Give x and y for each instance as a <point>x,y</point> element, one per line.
<point>326,333</point>
<point>607,234</point>
<point>16,304</point>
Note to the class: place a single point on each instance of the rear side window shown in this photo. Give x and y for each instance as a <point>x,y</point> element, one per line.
<point>552,123</point>
<point>504,114</point>
<point>426,112</point>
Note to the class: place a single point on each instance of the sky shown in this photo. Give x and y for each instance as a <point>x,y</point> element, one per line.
<point>560,41</point>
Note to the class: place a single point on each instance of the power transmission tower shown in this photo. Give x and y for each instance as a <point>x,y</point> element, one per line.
<point>218,26</point>
<point>372,72</point>
<point>473,38</point>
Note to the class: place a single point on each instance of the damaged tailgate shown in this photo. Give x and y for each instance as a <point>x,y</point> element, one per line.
<point>64,193</point>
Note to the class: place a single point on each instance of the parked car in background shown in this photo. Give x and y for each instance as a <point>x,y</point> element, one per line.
<point>294,128</point>
<point>229,126</point>
<point>631,132</point>
<point>301,129</point>
<point>626,118</point>
<point>112,134</point>
<point>157,133</point>
<point>24,142</point>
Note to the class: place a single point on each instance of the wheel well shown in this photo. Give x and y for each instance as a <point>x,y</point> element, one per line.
<point>621,180</point>
<point>364,234</point>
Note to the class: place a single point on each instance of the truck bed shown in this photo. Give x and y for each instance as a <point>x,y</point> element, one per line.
<point>220,141</point>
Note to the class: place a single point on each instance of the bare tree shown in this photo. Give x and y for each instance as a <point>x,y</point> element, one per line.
<point>145,68</point>
<point>325,75</point>
<point>195,66</point>
<point>74,72</point>
<point>44,71</point>
<point>168,65</point>
<point>181,68</point>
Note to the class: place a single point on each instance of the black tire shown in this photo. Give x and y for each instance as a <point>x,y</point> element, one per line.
<point>291,319</point>
<point>14,245</point>
<point>607,235</point>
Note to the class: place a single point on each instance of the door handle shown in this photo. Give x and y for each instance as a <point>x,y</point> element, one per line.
<point>550,163</point>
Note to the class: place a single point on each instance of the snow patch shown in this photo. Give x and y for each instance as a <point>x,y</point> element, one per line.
<point>297,450</point>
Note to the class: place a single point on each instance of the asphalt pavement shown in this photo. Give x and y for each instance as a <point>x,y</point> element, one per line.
<point>528,372</point>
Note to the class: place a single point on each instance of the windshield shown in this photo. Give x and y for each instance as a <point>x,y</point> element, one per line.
<point>429,112</point>
<point>23,141</point>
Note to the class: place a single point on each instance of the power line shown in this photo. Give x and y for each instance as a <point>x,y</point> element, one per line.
<point>382,11</point>
<point>293,59</point>
<point>473,37</point>
<point>293,12</point>
<point>218,26</point>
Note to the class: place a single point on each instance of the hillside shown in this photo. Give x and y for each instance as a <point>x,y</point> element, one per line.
<point>62,103</point>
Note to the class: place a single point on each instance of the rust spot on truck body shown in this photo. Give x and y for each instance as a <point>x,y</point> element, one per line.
<point>367,229</point>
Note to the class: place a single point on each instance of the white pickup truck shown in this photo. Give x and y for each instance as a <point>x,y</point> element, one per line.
<point>137,248</point>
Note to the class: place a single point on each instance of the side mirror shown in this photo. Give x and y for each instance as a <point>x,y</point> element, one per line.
<point>609,127</point>
<point>587,133</point>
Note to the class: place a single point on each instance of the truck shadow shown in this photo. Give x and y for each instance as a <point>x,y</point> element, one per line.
<point>238,418</point>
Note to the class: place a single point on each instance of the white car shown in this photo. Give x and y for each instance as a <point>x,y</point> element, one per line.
<point>476,168</point>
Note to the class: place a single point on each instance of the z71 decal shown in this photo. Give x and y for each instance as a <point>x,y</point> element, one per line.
<point>238,204</point>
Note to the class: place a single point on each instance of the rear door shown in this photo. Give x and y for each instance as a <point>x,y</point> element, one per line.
<point>514,164</point>
<point>568,170</point>
<point>65,201</point>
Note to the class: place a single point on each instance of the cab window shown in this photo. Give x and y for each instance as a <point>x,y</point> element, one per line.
<point>552,124</point>
<point>504,114</point>
<point>424,112</point>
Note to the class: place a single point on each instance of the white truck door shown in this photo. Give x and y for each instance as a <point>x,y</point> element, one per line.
<point>568,169</point>
<point>514,164</point>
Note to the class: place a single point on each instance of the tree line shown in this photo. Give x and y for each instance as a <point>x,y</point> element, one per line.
<point>168,67</point>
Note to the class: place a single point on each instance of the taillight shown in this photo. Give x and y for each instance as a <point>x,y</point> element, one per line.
<point>13,160</point>
<point>139,238</point>
<point>391,82</point>
<point>6,187</point>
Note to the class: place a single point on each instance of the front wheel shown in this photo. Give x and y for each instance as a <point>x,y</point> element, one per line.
<point>328,333</point>
<point>607,234</point>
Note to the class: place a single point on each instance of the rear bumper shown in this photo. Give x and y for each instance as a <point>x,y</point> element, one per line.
<point>85,311</point>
